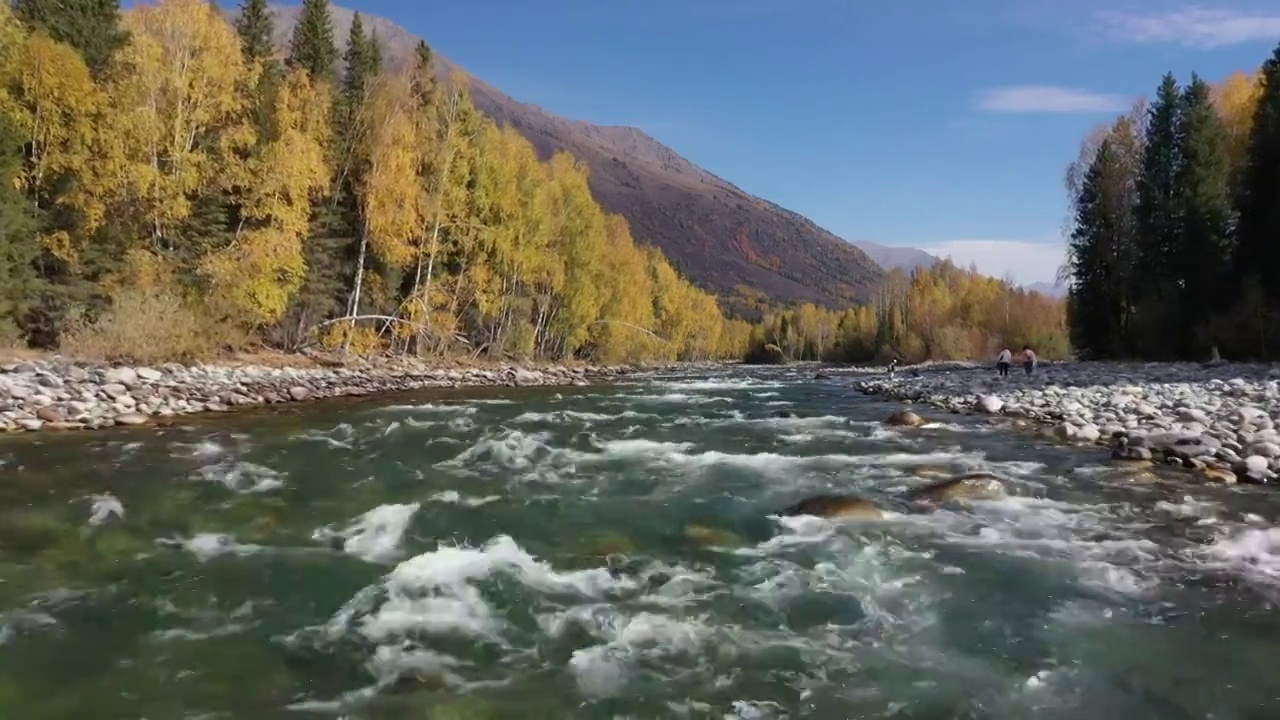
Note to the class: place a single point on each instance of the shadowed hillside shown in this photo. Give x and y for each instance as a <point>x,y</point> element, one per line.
<point>717,234</point>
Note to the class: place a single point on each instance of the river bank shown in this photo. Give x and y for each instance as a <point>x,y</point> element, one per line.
<point>1217,420</point>
<point>64,394</point>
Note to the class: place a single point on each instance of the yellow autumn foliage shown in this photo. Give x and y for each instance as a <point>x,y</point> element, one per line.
<point>232,192</point>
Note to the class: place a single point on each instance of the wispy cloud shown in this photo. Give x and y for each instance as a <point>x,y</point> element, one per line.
<point>1025,260</point>
<point>1191,27</point>
<point>1049,99</point>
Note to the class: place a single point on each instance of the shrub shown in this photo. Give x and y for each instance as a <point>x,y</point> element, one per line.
<point>147,326</point>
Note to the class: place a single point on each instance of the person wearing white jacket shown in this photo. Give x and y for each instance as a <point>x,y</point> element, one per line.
<point>1003,360</point>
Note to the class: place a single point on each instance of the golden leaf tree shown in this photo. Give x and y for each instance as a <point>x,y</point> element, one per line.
<point>180,116</point>
<point>262,268</point>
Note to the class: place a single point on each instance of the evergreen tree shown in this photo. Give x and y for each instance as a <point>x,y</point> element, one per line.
<point>361,59</point>
<point>90,26</point>
<point>256,28</point>
<point>1258,229</point>
<point>1199,260</point>
<point>1098,250</point>
<point>424,74</point>
<point>1156,214</point>
<point>19,249</point>
<point>312,47</point>
<point>375,52</point>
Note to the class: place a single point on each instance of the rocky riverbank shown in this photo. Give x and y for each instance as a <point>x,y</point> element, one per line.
<point>1218,420</point>
<point>59,394</point>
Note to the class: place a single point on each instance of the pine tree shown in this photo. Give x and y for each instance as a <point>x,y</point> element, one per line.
<point>1199,260</point>
<point>1258,228</point>
<point>256,28</point>
<point>361,59</point>
<point>1156,214</point>
<point>375,52</point>
<point>312,47</point>
<point>424,75</point>
<point>1098,247</point>
<point>90,26</point>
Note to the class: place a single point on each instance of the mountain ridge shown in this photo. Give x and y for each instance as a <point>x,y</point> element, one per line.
<point>720,236</point>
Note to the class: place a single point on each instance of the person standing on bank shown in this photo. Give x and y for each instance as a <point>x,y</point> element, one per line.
<point>1028,359</point>
<point>1003,360</point>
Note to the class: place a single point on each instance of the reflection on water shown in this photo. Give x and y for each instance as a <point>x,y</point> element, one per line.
<point>615,552</point>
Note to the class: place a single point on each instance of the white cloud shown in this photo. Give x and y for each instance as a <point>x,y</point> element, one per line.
<point>1028,262</point>
<point>1192,27</point>
<point>1050,99</point>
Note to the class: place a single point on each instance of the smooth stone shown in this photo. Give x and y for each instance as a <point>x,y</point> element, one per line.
<point>51,414</point>
<point>120,376</point>
<point>970,486</point>
<point>989,404</point>
<point>299,393</point>
<point>114,390</point>
<point>150,374</point>
<point>30,424</point>
<point>131,419</point>
<point>1218,475</point>
<point>835,506</point>
<point>905,418</point>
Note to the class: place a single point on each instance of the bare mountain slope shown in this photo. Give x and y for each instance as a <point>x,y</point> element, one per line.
<point>717,234</point>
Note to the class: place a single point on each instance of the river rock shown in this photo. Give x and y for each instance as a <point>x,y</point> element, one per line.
<point>51,414</point>
<point>131,418</point>
<point>299,393</point>
<point>120,376</point>
<point>835,506</point>
<point>1218,474</point>
<point>970,486</point>
<point>905,418</point>
<point>989,404</point>
<point>115,390</point>
<point>711,537</point>
<point>149,374</point>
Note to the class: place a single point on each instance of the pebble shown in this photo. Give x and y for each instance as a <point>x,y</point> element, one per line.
<point>59,394</point>
<point>1219,420</point>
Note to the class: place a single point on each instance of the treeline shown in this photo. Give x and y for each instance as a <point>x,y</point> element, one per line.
<point>171,187</point>
<point>1175,241</point>
<point>938,313</point>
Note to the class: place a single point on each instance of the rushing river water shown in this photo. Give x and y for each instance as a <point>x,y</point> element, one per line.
<point>447,555</point>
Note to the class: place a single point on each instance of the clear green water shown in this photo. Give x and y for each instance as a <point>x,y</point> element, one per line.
<point>220,593</point>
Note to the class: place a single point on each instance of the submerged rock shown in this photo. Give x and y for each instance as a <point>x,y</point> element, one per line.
<point>1217,474</point>
<point>835,506</point>
<point>970,486</point>
<point>711,537</point>
<point>904,418</point>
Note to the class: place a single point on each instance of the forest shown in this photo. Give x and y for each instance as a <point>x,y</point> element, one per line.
<point>1175,220</point>
<point>171,187</point>
<point>938,313</point>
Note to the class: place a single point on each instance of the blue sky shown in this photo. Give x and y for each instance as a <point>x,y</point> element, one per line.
<point>941,124</point>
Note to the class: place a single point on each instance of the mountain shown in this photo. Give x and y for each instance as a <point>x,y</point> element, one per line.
<point>1055,290</point>
<point>717,234</point>
<point>896,258</point>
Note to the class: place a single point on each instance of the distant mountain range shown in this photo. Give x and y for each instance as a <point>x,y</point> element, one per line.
<point>908,258</point>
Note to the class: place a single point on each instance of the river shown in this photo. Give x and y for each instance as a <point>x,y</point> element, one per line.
<point>447,555</point>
